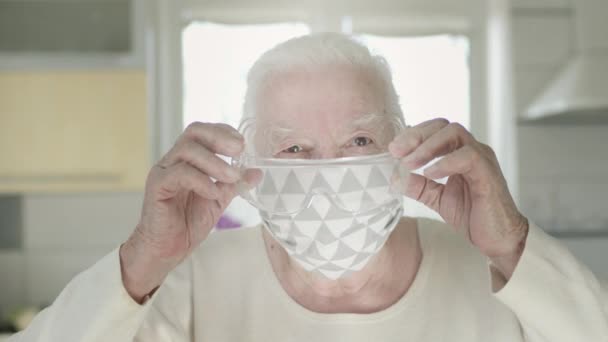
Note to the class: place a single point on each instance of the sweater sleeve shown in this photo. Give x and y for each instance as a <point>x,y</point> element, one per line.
<point>95,306</point>
<point>554,297</point>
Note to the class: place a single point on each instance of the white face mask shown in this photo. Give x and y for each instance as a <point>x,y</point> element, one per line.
<point>330,215</point>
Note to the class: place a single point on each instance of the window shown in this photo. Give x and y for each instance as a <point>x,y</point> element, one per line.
<point>216,59</point>
<point>431,75</point>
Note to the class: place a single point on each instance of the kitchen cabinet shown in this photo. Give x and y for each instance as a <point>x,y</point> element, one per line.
<point>73,130</point>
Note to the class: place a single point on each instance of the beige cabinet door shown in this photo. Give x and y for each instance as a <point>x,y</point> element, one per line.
<point>73,130</point>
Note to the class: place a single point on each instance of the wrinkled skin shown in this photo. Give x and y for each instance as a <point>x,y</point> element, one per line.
<point>475,200</point>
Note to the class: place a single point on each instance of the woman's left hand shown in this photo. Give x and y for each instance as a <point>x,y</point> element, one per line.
<point>475,200</point>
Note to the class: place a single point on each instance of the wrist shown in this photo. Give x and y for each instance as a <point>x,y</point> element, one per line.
<point>507,262</point>
<point>142,272</point>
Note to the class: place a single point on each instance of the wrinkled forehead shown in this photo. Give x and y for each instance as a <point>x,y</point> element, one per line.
<point>340,124</point>
<point>327,101</point>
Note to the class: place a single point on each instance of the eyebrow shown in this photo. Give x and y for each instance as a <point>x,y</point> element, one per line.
<point>367,121</point>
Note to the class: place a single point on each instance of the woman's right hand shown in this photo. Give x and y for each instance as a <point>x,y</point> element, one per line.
<point>182,203</point>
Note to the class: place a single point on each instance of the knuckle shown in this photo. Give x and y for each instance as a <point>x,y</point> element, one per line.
<point>424,155</point>
<point>487,149</point>
<point>458,128</point>
<point>193,128</point>
<point>224,126</point>
<point>442,121</point>
<point>474,155</point>
<point>414,137</point>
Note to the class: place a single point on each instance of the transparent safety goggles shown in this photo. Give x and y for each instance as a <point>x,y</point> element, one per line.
<point>353,184</point>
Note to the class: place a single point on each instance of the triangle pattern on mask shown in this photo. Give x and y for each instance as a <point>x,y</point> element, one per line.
<point>367,202</point>
<point>305,178</point>
<point>279,176</point>
<point>267,200</point>
<point>293,202</point>
<point>335,213</point>
<point>312,254</point>
<point>356,239</point>
<point>279,205</point>
<point>372,237</point>
<point>307,228</point>
<point>359,266</point>
<point>379,194</point>
<point>321,204</point>
<point>350,183</point>
<point>376,178</point>
<point>370,248</point>
<point>344,251</point>
<point>362,173</point>
<point>362,257</point>
<point>333,275</point>
<point>324,235</point>
<point>327,251</point>
<point>333,177</point>
<point>337,227</point>
<point>346,262</point>
<point>302,244</point>
<point>378,224</point>
<point>351,200</point>
<point>268,187</point>
<point>391,173</point>
<point>308,214</point>
<point>319,182</point>
<point>292,184</point>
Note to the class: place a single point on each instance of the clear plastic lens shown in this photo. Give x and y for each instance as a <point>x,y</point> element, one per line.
<point>350,185</point>
<point>265,139</point>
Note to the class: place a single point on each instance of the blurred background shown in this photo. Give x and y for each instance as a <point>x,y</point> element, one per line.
<point>93,92</point>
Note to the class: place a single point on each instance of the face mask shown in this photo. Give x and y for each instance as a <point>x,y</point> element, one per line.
<point>330,215</point>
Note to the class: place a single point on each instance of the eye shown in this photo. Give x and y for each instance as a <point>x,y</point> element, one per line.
<point>293,149</point>
<point>362,141</point>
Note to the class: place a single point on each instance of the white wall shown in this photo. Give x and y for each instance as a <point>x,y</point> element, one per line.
<point>562,169</point>
<point>63,234</point>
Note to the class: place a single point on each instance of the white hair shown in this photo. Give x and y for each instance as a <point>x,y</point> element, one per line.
<point>315,51</point>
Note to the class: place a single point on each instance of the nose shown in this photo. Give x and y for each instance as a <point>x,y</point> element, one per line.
<point>326,152</point>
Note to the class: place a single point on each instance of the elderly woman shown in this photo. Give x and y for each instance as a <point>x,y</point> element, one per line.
<point>487,274</point>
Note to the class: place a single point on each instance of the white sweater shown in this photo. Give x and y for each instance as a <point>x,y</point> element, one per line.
<point>227,291</point>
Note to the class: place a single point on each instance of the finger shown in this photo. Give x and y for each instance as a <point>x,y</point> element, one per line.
<point>200,157</point>
<point>251,177</point>
<point>465,161</point>
<point>184,176</point>
<point>423,190</point>
<point>228,191</point>
<point>218,138</point>
<point>444,141</point>
<point>412,137</point>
